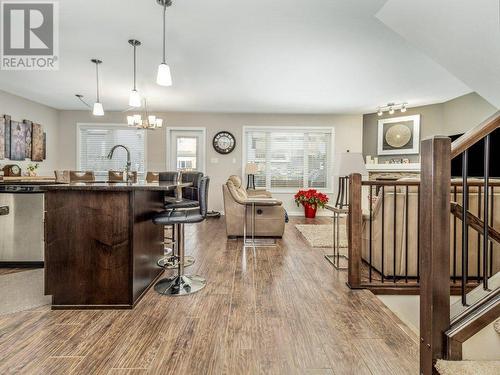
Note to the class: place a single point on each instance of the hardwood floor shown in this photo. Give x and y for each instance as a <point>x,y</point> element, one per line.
<point>281,310</point>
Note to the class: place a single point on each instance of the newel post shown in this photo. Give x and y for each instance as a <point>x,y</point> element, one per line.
<point>434,249</point>
<point>354,232</point>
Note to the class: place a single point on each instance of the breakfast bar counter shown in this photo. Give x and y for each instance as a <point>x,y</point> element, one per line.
<point>101,247</point>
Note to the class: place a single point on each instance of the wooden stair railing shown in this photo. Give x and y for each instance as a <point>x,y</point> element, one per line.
<point>474,222</point>
<point>434,236</point>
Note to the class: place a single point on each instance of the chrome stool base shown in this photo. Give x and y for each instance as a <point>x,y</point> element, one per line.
<point>180,285</point>
<point>171,262</point>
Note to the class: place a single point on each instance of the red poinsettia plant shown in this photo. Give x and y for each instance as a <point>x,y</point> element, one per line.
<point>311,197</point>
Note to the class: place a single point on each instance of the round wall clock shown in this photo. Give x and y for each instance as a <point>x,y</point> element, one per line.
<point>224,142</point>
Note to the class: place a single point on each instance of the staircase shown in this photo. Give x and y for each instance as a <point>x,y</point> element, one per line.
<point>444,327</point>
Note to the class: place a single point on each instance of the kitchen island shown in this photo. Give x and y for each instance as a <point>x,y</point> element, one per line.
<point>101,247</point>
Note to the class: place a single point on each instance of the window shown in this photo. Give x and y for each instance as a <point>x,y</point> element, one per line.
<point>95,142</point>
<point>291,158</point>
<point>185,149</point>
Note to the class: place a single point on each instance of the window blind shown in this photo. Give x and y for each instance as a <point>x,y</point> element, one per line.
<point>95,142</point>
<point>290,159</point>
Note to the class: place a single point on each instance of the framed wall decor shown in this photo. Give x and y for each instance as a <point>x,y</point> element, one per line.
<point>27,126</point>
<point>399,135</point>
<point>36,142</point>
<point>17,141</point>
<point>2,138</point>
<point>7,137</point>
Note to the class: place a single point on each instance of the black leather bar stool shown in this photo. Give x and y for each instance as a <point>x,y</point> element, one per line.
<point>183,284</point>
<point>190,199</point>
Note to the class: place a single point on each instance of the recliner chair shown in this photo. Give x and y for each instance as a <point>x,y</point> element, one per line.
<point>269,221</point>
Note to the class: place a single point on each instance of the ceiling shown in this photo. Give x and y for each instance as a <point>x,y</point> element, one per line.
<point>461,35</point>
<point>280,56</point>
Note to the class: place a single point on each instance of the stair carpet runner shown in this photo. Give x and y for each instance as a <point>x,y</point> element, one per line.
<point>470,367</point>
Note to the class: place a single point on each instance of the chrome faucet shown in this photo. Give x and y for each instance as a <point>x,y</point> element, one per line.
<point>127,168</point>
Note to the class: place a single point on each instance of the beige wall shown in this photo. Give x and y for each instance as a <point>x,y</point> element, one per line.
<point>22,109</point>
<point>483,346</point>
<point>453,117</point>
<point>348,135</point>
<point>465,112</point>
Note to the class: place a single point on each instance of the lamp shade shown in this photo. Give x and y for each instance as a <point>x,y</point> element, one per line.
<point>164,78</point>
<point>349,162</point>
<point>134,99</point>
<point>251,168</point>
<point>98,110</point>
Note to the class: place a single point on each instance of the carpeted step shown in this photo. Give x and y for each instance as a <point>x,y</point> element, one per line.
<point>468,367</point>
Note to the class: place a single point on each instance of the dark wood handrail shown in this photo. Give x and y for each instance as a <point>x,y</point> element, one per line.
<point>471,182</point>
<point>474,222</point>
<point>475,135</point>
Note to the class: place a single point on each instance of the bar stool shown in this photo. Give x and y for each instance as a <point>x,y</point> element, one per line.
<point>81,176</point>
<point>183,284</point>
<point>190,199</point>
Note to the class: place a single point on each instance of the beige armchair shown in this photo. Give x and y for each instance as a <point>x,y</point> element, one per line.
<point>270,218</point>
<point>406,230</point>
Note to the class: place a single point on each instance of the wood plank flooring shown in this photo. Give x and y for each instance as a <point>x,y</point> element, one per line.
<point>281,310</point>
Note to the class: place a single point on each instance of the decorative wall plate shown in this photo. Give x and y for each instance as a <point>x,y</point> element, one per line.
<point>399,135</point>
<point>224,142</point>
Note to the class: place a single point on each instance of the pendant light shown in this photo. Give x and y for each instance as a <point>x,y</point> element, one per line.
<point>97,110</point>
<point>164,78</point>
<point>135,98</point>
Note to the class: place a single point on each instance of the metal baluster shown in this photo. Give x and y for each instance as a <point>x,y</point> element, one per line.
<point>485,210</point>
<point>394,236</point>
<point>479,189</point>
<point>465,227</point>
<point>418,231</point>
<point>492,221</point>
<point>406,234</point>
<point>454,238</point>
<point>370,239</point>
<point>383,230</point>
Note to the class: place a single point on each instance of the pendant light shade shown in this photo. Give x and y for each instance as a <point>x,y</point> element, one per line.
<point>164,78</point>
<point>98,109</point>
<point>134,99</point>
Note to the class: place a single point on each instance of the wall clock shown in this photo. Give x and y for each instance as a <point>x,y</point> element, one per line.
<point>224,142</point>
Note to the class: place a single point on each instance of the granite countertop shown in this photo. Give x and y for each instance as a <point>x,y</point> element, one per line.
<point>119,186</point>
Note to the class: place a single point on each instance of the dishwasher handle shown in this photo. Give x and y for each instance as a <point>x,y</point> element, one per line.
<point>4,210</point>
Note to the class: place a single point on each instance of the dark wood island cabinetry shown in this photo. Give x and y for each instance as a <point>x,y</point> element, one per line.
<point>101,247</point>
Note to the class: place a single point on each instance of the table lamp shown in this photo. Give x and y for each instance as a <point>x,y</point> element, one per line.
<point>347,163</point>
<point>251,170</point>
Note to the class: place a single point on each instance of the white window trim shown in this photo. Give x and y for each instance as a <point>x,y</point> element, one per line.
<point>80,125</point>
<point>168,131</point>
<point>330,184</point>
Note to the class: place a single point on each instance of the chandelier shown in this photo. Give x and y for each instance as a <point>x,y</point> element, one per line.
<point>149,122</point>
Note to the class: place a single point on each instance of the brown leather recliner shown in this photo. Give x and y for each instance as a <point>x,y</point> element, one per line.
<point>269,219</point>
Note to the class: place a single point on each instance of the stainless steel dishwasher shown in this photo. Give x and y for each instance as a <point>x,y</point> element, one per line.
<point>21,226</point>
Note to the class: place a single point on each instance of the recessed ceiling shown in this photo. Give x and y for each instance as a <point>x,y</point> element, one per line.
<point>279,56</point>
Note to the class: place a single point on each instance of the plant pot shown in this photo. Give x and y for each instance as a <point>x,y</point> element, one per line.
<point>310,210</point>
